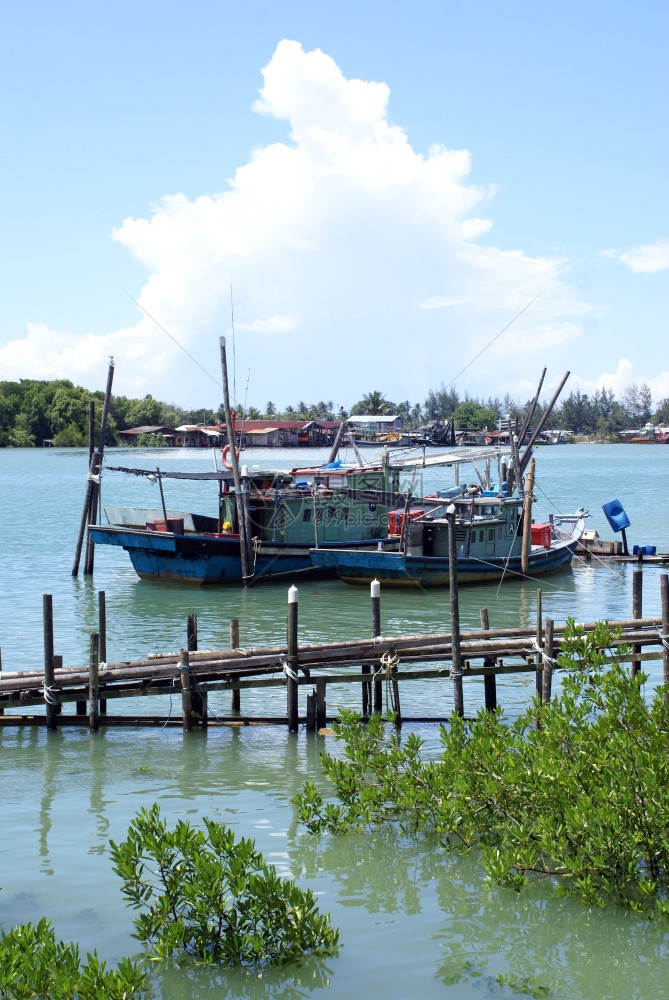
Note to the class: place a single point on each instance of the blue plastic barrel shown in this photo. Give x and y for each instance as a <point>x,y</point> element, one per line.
<point>615,515</point>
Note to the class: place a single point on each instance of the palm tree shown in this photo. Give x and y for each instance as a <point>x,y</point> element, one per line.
<point>373,403</point>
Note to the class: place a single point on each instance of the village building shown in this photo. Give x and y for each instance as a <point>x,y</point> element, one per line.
<point>130,435</point>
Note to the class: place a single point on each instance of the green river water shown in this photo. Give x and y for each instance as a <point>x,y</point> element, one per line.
<point>413,921</point>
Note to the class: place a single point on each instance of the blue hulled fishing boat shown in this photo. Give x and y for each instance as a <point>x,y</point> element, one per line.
<point>489,542</point>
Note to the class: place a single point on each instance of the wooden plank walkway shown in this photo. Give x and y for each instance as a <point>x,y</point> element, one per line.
<point>373,663</point>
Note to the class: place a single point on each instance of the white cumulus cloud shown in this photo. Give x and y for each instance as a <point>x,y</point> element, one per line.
<point>353,259</point>
<point>647,258</point>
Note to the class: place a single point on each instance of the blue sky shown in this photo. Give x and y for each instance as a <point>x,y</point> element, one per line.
<point>384,186</point>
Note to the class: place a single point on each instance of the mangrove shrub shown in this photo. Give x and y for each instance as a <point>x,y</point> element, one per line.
<point>206,894</point>
<point>576,791</point>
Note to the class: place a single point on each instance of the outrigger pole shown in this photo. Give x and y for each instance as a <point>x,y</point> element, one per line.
<point>88,514</point>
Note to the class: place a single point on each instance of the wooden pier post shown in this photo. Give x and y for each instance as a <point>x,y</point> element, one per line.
<point>291,661</point>
<point>375,594</point>
<point>637,603</point>
<point>235,694</point>
<point>664,592</point>
<point>540,644</point>
<point>94,683</point>
<point>456,661</point>
<point>311,711</point>
<point>199,700</point>
<point>186,701</point>
<point>321,707</point>
<point>49,697</point>
<point>102,627</point>
<point>489,680</point>
<point>548,662</point>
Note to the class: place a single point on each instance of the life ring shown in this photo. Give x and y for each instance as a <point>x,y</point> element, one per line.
<point>224,455</point>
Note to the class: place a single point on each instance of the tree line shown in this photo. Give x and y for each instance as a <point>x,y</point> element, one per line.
<point>33,411</point>
<point>601,414</point>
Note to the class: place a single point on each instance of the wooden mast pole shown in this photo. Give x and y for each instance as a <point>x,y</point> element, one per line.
<point>527,521</point>
<point>244,541</point>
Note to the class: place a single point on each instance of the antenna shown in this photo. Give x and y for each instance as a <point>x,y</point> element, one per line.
<point>234,358</point>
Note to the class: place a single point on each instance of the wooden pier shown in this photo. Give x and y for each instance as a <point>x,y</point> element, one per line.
<point>379,666</point>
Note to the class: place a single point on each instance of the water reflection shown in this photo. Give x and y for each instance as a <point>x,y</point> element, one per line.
<point>186,980</point>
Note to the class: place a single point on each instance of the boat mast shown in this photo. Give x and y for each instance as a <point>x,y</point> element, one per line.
<point>240,498</point>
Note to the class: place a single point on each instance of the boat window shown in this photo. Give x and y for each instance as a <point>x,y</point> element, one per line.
<point>491,535</point>
<point>481,533</point>
<point>307,514</point>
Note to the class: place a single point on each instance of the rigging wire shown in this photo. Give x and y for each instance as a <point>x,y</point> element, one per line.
<point>491,342</point>
<point>174,339</point>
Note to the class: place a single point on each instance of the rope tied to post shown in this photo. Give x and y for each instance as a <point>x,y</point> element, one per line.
<point>389,662</point>
<point>664,639</point>
<point>548,660</point>
<point>49,692</point>
<point>288,670</point>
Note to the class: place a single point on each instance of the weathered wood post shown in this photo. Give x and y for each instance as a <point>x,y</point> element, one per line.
<point>539,644</point>
<point>489,680</point>
<point>89,557</point>
<point>291,661</point>
<point>235,694</point>
<point>199,701</point>
<point>375,594</point>
<point>49,694</point>
<point>93,683</point>
<point>664,591</point>
<point>321,708</point>
<point>94,466</point>
<point>102,627</point>
<point>186,702</point>
<point>637,604</point>
<point>456,658</point>
<point>548,654</point>
<point>312,700</point>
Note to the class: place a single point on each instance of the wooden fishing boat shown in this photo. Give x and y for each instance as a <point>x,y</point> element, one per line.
<point>289,513</point>
<point>488,542</point>
<point>288,516</point>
